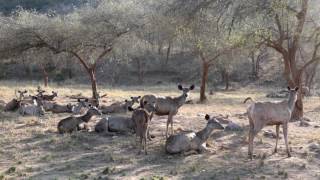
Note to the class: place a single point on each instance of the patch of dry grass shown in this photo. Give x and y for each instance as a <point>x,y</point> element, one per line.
<point>29,149</point>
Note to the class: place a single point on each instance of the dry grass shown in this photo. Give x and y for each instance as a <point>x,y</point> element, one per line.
<point>31,150</point>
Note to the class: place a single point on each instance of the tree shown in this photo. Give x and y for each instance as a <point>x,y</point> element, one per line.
<point>287,41</point>
<point>88,34</point>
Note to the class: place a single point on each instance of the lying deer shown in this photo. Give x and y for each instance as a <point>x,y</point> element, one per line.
<point>57,108</point>
<point>120,107</point>
<point>70,124</point>
<point>82,106</point>
<point>119,124</point>
<point>262,114</point>
<point>141,118</point>
<point>188,143</point>
<point>168,106</point>
<point>35,109</point>
<point>49,97</point>
<point>14,104</point>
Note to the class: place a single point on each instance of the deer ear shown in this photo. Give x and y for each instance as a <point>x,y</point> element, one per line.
<point>289,88</point>
<point>207,117</point>
<point>180,87</point>
<point>191,87</point>
<point>296,89</point>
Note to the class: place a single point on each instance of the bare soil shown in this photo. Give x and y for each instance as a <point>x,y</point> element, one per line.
<point>31,148</point>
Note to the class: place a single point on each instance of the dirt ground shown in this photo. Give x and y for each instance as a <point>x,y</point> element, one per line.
<point>32,149</point>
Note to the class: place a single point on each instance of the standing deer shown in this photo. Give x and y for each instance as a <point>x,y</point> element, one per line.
<point>168,105</point>
<point>262,114</point>
<point>70,124</point>
<point>190,142</point>
<point>141,118</point>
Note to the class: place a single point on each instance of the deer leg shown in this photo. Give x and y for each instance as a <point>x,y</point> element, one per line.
<point>250,147</point>
<point>285,134</point>
<point>277,138</point>
<point>167,128</point>
<point>145,142</point>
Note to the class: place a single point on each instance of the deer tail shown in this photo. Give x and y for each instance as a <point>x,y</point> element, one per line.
<point>248,99</point>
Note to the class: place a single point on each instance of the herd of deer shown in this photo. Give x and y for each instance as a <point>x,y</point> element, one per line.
<point>260,114</point>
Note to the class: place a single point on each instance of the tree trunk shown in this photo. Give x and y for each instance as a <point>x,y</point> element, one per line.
<point>168,55</point>
<point>93,79</point>
<point>204,78</point>
<point>45,75</point>
<point>140,71</point>
<point>226,80</point>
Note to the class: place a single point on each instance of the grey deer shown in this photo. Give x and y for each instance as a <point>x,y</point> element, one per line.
<point>168,106</point>
<point>262,114</point>
<point>120,124</point>
<point>81,107</point>
<point>119,107</point>
<point>58,108</point>
<point>47,97</point>
<point>192,142</point>
<point>35,109</point>
<point>141,118</point>
<point>72,123</point>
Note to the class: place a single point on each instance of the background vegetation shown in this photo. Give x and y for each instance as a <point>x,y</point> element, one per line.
<point>215,44</point>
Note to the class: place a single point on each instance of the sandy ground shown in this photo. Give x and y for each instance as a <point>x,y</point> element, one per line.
<point>33,150</point>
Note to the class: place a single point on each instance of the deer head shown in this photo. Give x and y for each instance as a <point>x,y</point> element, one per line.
<point>185,91</point>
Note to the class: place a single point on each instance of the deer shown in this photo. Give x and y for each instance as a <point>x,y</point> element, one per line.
<point>81,107</point>
<point>168,106</point>
<point>49,97</point>
<point>141,118</point>
<point>120,107</point>
<point>192,142</point>
<point>35,109</point>
<point>72,123</point>
<point>14,104</point>
<point>261,114</point>
<point>57,108</point>
<point>119,124</point>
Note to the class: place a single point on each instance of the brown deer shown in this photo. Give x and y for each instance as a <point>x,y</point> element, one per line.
<point>49,97</point>
<point>141,118</point>
<point>188,143</point>
<point>70,124</point>
<point>14,104</point>
<point>120,107</point>
<point>168,106</point>
<point>262,114</point>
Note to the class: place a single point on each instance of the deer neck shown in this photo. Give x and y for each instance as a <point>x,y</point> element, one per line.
<point>204,134</point>
<point>291,102</point>
<point>86,117</point>
<point>180,100</point>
